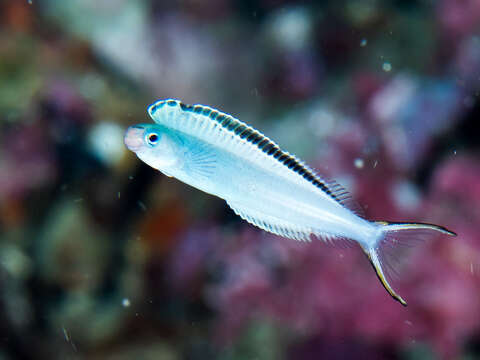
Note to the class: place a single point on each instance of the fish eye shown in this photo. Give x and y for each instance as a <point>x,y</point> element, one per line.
<point>152,139</point>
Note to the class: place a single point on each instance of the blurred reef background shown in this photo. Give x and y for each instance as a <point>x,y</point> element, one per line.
<point>102,257</point>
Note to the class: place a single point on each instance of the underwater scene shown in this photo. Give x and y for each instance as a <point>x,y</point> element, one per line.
<point>240,179</point>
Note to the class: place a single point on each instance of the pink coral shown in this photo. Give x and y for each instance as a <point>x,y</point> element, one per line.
<point>333,293</point>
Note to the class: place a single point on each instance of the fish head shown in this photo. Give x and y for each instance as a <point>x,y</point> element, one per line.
<point>154,145</point>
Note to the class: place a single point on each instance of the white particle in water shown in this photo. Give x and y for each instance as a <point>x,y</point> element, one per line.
<point>386,66</point>
<point>30,2</point>
<point>142,206</point>
<point>406,195</point>
<point>454,152</point>
<point>363,42</point>
<point>65,334</point>
<point>125,302</point>
<point>358,163</point>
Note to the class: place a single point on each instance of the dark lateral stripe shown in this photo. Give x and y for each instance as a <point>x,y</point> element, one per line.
<point>254,137</point>
<point>263,143</point>
<point>272,151</point>
<point>267,147</point>
<point>245,133</point>
<point>239,129</point>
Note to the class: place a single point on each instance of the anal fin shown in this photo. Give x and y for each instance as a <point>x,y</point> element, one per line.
<point>270,223</point>
<point>285,228</point>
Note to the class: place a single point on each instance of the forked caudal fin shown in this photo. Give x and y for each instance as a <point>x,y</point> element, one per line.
<point>392,235</point>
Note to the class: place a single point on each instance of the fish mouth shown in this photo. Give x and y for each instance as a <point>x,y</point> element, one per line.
<point>134,137</point>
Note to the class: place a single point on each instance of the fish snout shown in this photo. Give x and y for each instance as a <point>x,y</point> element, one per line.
<point>134,137</point>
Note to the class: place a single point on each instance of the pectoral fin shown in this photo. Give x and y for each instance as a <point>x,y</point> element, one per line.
<point>201,160</point>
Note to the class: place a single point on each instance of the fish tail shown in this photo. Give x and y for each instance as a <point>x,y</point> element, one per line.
<point>384,252</point>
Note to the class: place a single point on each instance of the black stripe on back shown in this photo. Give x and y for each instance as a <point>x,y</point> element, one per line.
<point>252,136</point>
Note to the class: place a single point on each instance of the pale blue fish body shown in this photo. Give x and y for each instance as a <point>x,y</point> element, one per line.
<point>264,185</point>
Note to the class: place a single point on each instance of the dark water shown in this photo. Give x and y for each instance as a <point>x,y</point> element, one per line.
<point>102,257</point>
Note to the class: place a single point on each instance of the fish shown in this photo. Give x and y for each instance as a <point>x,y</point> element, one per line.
<point>263,184</point>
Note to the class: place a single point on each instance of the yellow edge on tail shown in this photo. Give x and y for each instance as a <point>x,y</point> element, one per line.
<point>392,227</point>
<point>384,282</point>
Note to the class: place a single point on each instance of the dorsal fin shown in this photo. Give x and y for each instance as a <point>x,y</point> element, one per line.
<point>344,197</point>
<point>203,120</point>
